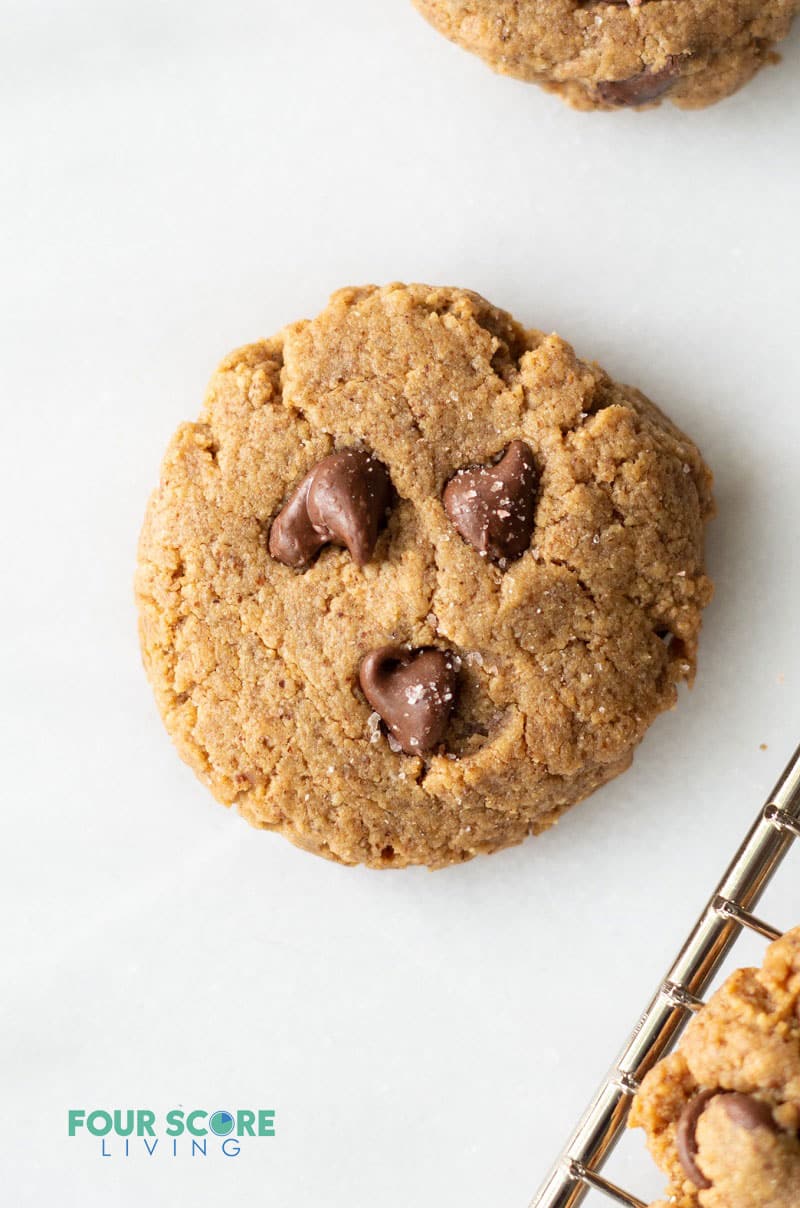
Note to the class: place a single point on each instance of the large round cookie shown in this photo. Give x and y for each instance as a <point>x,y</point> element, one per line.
<point>413,470</point>
<point>607,54</point>
<point>722,1114</point>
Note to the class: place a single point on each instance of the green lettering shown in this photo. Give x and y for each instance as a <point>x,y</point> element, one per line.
<point>244,1124</point>
<point>190,1123</point>
<point>144,1123</point>
<point>75,1119</point>
<point>99,1124</point>
<point>175,1125</point>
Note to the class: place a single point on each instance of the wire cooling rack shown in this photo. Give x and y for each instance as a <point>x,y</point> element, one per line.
<point>578,1169</point>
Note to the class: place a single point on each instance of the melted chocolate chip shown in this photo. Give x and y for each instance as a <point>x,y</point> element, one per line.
<point>686,1137</point>
<point>640,88</point>
<point>746,1112</point>
<point>342,501</point>
<point>413,691</point>
<point>493,507</point>
<point>293,539</point>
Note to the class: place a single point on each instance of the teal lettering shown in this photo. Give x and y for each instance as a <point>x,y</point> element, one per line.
<point>190,1123</point>
<point>144,1124</point>
<point>123,1128</point>
<point>244,1124</point>
<point>175,1123</point>
<point>75,1119</point>
<point>266,1124</point>
<point>99,1124</point>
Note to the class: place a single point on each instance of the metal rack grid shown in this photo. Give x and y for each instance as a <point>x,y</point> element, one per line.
<point>578,1169</point>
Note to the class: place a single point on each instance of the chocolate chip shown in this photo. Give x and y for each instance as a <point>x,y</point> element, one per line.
<point>746,1112</point>
<point>342,501</point>
<point>293,539</point>
<point>640,88</point>
<point>413,691</point>
<point>686,1137</point>
<point>493,507</point>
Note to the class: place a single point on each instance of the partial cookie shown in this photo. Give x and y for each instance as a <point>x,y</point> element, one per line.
<point>418,580</point>
<point>611,54</point>
<point>722,1114</point>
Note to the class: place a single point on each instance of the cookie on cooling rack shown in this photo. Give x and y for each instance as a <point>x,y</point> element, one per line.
<point>611,54</point>
<point>419,579</point>
<point>722,1114</point>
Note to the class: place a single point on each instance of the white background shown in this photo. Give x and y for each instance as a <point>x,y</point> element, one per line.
<point>179,178</point>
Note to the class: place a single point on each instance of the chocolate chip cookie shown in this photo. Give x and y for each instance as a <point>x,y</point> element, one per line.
<point>418,579</point>
<point>611,54</point>
<point>722,1114</point>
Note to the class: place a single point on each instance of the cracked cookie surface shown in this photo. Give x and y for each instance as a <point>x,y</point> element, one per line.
<point>566,654</point>
<point>722,1114</point>
<point>614,54</point>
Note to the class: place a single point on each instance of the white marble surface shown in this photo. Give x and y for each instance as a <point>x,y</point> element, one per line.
<point>179,178</point>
